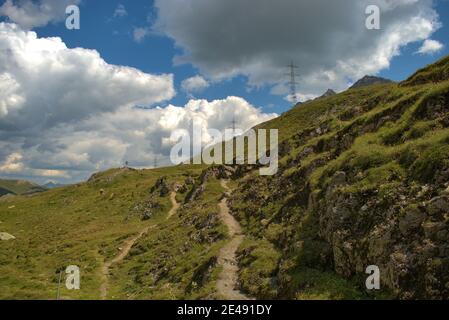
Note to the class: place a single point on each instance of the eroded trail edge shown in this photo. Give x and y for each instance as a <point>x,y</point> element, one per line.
<point>228,278</point>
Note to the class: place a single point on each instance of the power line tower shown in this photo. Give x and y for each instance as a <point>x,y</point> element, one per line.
<point>155,162</point>
<point>234,122</point>
<point>292,83</point>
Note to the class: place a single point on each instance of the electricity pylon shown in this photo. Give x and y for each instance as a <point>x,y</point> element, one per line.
<point>292,83</point>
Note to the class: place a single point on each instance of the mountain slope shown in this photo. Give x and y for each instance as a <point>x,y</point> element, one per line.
<point>369,80</point>
<point>20,187</point>
<point>89,224</point>
<point>363,180</point>
<point>433,73</point>
<point>328,93</point>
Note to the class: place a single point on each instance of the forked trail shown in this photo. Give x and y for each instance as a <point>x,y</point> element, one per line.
<point>126,247</point>
<point>227,280</point>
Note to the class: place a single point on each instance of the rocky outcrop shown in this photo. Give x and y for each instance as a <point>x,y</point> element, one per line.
<point>406,237</point>
<point>217,172</point>
<point>161,187</point>
<point>195,193</point>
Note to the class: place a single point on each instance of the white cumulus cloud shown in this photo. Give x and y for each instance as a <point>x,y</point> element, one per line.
<point>430,47</point>
<point>66,113</point>
<point>44,83</point>
<point>194,84</point>
<point>49,91</point>
<point>135,135</point>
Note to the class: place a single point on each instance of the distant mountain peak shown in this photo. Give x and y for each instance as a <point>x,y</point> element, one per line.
<point>52,185</point>
<point>369,80</point>
<point>328,93</point>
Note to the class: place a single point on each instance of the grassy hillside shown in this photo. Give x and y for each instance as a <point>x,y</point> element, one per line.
<point>363,180</point>
<point>179,259</point>
<point>82,225</point>
<point>20,187</point>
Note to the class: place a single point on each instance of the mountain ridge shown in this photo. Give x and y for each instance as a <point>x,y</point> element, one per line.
<point>21,187</point>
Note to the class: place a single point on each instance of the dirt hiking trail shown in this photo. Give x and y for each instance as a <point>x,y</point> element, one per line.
<point>126,247</point>
<point>175,205</point>
<point>228,278</point>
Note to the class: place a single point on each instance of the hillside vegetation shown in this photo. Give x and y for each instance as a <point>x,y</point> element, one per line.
<point>363,180</point>
<point>19,187</point>
<point>81,225</point>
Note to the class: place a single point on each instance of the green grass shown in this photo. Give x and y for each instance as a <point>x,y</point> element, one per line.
<point>259,261</point>
<point>315,284</point>
<point>74,225</point>
<point>178,259</point>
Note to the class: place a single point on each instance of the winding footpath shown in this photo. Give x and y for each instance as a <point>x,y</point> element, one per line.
<point>175,205</point>
<point>228,278</point>
<point>126,248</point>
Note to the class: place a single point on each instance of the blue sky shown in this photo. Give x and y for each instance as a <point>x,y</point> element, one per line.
<point>408,62</point>
<point>113,38</point>
<point>68,98</point>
